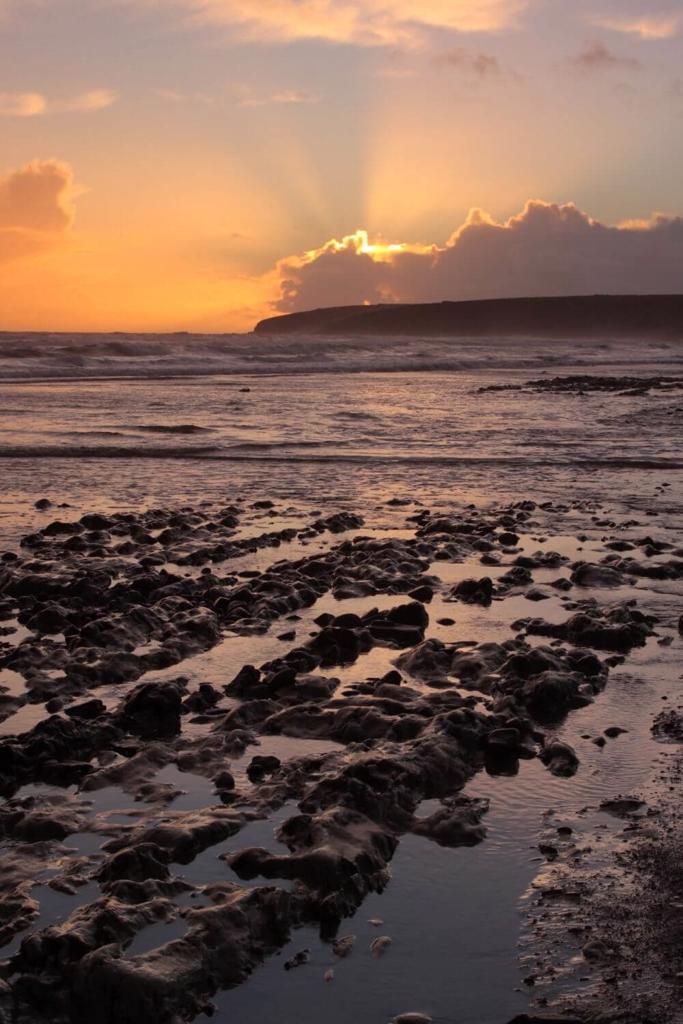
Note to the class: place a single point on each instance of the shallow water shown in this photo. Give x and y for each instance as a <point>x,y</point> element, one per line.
<point>331,439</point>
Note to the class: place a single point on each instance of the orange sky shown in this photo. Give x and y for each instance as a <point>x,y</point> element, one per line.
<point>184,164</point>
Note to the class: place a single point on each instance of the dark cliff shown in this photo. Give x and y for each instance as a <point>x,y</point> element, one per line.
<point>568,316</point>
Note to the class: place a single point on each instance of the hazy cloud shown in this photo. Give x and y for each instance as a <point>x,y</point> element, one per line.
<point>545,250</point>
<point>35,207</point>
<point>248,98</point>
<point>597,57</point>
<point>176,96</point>
<point>34,104</point>
<point>362,22</point>
<point>22,104</point>
<point>483,65</point>
<point>646,26</point>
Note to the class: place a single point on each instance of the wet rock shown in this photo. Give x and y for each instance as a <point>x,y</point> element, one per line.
<point>380,945</point>
<point>137,864</point>
<point>260,766</point>
<point>152,710</point>
<point>224,781</point>
<point>298,960</point>
<point>458,823</point>
<point>668,726</point>
<point>560,759</point>
<point>343,946</point>
<point>474,591</point>
<point>622,807</point>
<point>587,574</point>
<point>88,710</point>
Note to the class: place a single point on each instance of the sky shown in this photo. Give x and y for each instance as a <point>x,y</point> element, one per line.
<point>200,164</point>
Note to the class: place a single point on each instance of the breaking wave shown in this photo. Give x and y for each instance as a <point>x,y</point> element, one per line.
<point>87,356</point>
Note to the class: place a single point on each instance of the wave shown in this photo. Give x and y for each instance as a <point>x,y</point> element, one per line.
<point>212,454</point>
<point>50,357</point>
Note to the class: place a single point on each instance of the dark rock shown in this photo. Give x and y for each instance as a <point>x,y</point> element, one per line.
<point>152,710</point>
<point>474,591</point>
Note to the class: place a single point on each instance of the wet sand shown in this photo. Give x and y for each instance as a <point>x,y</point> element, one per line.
<point>252,755</point>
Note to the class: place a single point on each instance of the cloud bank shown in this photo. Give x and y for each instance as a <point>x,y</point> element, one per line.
<point>35,208</point>
<point>545,250</point>
<point>361,22</point>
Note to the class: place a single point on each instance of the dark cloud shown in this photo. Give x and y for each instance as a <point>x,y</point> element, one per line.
<point>597,57</point>
<point>34,207</point>
<point>481,64</point>
<point>546,250</point>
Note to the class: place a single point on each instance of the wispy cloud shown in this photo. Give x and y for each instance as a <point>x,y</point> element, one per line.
<point>95,99</point>
<point>646,26</point>
<point>177,96</point>
<point>22,104</point>
<point>248,98</point>
<point>35,104</point>
<point>360,22</point>
<point>597,57</point>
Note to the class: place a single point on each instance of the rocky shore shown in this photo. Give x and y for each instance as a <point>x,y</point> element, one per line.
<point>102,616</point>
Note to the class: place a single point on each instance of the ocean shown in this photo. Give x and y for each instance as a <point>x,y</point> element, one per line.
<point>184,417</point>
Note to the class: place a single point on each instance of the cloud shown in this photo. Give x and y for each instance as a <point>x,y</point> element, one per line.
<point>34,104</point>
<point>483,65</point>
<point>176,96</point>
<point>22,104</point>
<point>35,208</point>
<point>361,22</point>
<point>95,99</point>
<point>647,26</point>
<point>248,98</point>
<point>597,57</point>
<point>545,250</point>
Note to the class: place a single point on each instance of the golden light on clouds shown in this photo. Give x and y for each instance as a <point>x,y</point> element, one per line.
<point>34,104</point>
<point>362,22</point>
<point>647,26</point>
<point>36,208</point>
<point>22,104</point>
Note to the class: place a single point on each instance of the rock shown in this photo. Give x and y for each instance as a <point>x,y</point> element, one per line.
<point>152,710</point>
<point>298,960</point>
<point>136,864</point>
<point>88,710</point>
<point>474,591</point>
<point>260,766</point>
<point>342,946</point>
<point>668,726</point>
<point>458,823</point>
<point>614,730</point>
<point>589,575</point>
<point>503,740</point>
<point>380,945</point>
<point>560,758</point>
<point>224,781</point>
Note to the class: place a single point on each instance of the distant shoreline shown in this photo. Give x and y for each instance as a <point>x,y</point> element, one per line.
<point>583,316</point>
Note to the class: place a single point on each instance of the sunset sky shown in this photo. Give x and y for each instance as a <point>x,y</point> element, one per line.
<point>188,164</point>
